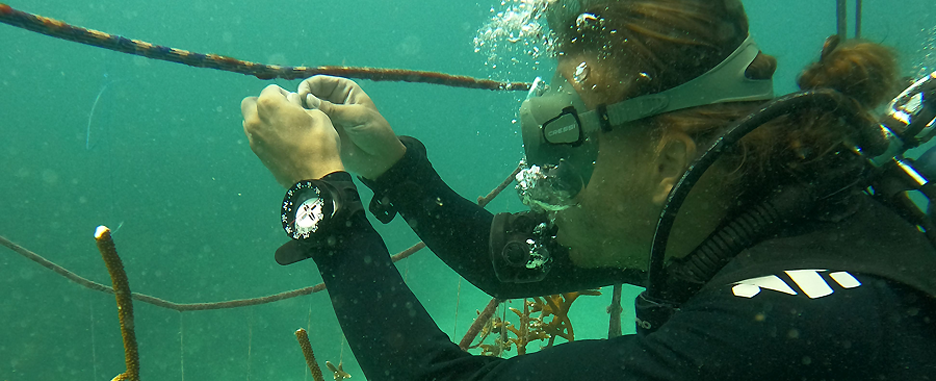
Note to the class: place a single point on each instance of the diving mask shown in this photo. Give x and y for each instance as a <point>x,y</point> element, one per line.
<point>560,134</point>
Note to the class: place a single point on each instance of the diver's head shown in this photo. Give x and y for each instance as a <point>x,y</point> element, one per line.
<point>620,63</point>
<point>640,85</point>
<point>623,61</point>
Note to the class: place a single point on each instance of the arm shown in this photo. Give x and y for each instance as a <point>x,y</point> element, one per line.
<point>458,231</point>
<point>715,336</point>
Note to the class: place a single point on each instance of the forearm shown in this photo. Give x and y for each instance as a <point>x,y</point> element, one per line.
<point>455,229</point>
<point>458,231</point>
<point>391,334</point>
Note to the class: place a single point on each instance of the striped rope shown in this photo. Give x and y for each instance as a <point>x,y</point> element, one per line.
<point>65,31</point>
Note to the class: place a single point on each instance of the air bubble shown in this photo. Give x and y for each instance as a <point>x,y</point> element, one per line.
<point>587,21</point>
<point>513,33</point>
<point>926,63</point>
<point>644,77</point>
<point>581,73</point>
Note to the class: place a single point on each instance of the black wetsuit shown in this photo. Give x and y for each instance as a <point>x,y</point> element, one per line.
<point>838,317</point>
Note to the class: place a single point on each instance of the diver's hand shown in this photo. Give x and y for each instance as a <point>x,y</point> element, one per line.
<point>368,145</point>
<point>293,143</point>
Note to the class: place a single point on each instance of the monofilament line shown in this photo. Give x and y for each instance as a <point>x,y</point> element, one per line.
<point>181,347</point>
<point>91,116</point>
<point>249,338</point>
<point>308,328</point>
<point>457,300</point>
<point>93,346</point>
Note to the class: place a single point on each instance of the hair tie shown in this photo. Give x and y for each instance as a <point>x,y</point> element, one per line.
<point>829,46</point>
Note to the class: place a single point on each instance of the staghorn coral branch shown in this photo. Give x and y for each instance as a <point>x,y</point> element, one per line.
<point>479,322</point>
<point>306,346</point>
<point>118,276</point>
<point>523,338</point>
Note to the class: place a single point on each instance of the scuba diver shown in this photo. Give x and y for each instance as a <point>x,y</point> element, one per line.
<point>775,236</point>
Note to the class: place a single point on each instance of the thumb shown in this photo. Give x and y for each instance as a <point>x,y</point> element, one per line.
<point>350,115</point>
<point>312,102</point>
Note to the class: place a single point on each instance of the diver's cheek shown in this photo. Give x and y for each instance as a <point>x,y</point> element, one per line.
<point>569,236</point>
<point>577,258</point>
<point>576,224</point>
<point>585,256</point>
<point>564,234</point>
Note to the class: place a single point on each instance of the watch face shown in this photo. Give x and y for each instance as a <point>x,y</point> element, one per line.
<point>305,209</point>
<point>309,215</point>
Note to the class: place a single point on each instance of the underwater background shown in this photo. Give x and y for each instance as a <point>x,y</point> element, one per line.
<point>164,158</point>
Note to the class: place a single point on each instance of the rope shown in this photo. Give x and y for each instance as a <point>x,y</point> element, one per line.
<point>92,285</point>
<point>68,32</point>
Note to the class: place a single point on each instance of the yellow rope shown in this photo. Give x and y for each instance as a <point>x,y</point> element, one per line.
<point>68,32</point>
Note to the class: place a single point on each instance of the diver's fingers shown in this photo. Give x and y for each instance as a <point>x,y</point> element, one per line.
<point>271,99</point>
<point>311,102</point>
<point>248,134</point>
<point>274,91</point>
<point>336,90</point>
<point>294,99</point>
<point>251,117</point>
<point>249,108</point>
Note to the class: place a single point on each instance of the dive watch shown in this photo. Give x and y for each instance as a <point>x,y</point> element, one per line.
<point>314,212</point>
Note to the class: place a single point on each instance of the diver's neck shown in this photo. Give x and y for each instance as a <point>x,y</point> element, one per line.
<point>700,215</point>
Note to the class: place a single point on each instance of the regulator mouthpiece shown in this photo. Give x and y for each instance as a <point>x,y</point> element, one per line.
<point>909,120</point>
<point>914,112</point>
<point>522,246</point>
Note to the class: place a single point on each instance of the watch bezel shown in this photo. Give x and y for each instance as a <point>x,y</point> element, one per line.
<point>297,196</point>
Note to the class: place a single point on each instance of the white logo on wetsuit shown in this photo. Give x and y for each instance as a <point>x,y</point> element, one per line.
<point>810,282</point>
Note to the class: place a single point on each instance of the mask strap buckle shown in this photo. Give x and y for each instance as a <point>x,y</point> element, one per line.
<point>603,119</point>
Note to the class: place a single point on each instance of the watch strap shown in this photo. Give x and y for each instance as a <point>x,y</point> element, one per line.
<point>403,173</point>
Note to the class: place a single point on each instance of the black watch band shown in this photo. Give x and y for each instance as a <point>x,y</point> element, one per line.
<point>314,212</point>
<point>400,178</point>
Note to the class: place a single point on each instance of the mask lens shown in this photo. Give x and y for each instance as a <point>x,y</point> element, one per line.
<point>538,88</point>
<point>559,155</point>
<point>548,188</point>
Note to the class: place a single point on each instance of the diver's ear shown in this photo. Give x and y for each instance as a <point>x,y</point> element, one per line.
<point>672,161</point>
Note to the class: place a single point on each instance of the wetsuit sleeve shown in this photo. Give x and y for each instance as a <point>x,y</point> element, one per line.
<point>715,336</point>
<point>458,230</point>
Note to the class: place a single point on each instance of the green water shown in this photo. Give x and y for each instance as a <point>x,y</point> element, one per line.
<point>199,213</point>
